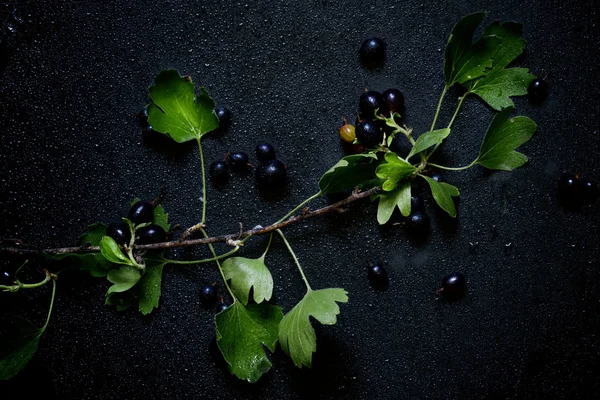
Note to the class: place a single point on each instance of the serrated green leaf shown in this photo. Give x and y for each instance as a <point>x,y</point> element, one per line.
<point>296,335</point>
<point>462,60</point>
<point>503,41</point>
<point>161,218</point>
<point>501,139</point>
<point>123,278</point>
<point>428,139</point>
<point>93,236</point>
<point>393,171</point>
<point>248,273</point>
<point>498,86</point>
<point>111,251</point>
<point>148,288</point>
<point>175,109</point>
<point>388,201</point>
<point>15,361</point>
<point>241,334</point>
<point>347,173</point>
<point>442,194</point>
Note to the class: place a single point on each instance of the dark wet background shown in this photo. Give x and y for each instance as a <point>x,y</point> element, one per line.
<point>73,75</point>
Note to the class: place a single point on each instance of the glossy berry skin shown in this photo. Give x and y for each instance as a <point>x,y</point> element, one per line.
<point>218,171</point>
<point>238,160</point>
<point>416,202</point>
<point>120,232</point>
<point>347,133</point>
<point>141,212</point>
<point>570,191</point>
<point>590,192</point>
<point>208,294</point>
<point>6,278</point>
<point>369,133</point>
<point>537,91</point>
<point>392,101</point>
<point>369,102</point>
<point>418,222</point>
<point>271,174</point>
<point>150,234</point>
<point>454,286</point>
<point>377,276</point>
<point>223,307</point>
<point>265,152</point>
<point>436,176</point>
<point>372,52</point>
<point>224,116</point>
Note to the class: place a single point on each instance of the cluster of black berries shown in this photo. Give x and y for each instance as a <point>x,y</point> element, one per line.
<point>141,212</point>
<point>269,174</point>
<point>575,192</point>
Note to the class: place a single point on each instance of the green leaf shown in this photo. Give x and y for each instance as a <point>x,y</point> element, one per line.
<point>462,60</point>
<point>427,140</point>
<point>111,251</point>
<point>176,111</point>
<point>501,139</point>
<point>393,170</point>
<point>246,273</point>
<point>15,361</point>
<point>121,300</point>
<point>123,278</point>
<point>161,218</point>
<point>498,86</point>
<point>148,288</point>
<point>442,194</point>
<point>388,201</point>
<point>93,236</point>
<point>296,334</point>
<point>503,42</point>
<point>347,173</point>
<point>241,334</point>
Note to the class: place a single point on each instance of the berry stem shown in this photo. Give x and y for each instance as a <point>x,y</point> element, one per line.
<point>212,250</point>
<point>295,258</point>
<point>19,285</point>
<point>314,196</point>
<point>437,112</point>
<point>203,183</point>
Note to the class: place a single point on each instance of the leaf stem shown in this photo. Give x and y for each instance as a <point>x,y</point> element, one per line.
<point>295,258</point>
<point>212,250</point>
<point>51,305</point>
<point>268,246</point>
<point>203,183</point>
<point>314,196</point>
<point>437,111</point>
<point>457,109</point>
<point>453,168</point>
<point>205,260</point>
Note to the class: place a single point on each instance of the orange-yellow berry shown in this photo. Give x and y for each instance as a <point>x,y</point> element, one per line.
<point>347,133</point>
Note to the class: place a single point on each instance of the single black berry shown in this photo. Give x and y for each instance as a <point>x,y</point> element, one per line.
<point>392,101</point>
<point>377,276</point>
<point>369,102</point>
<point>208,294</point>
<point>416,202</point>
<point>418,222</point>
<point>223,307</point>
<point>120,232</point>
<point>150,234</point>
<point>271,174</point>
<point>570,191</point>
<point>238,160</point>
<point>142,117</point>
<point>369,133</point>
<point>219,172</point>
<point>6,278</point>
<point>436,176</point>
<point>141,212</point>
<point>372,52</point>
<point>537,90</point>
<point>265,152</point>
<point>224,116</point>
<point>590,192</point>
<point>454,286</point>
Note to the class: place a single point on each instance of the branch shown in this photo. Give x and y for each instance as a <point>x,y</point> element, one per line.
<point>229,238</point>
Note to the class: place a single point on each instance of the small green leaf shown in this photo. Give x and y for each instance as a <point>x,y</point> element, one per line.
<point>296,335</point>
<point>347,173</point>
<point>393,170</point>
<point>15,361</point>
<point>501,139</point>
<point>498,86</point>
<point>427,140</point>
<point>93,236</point>
<point>442,194</point>
<point>388,201</point>
<point>246,273</point>
<point>241,334</point>
<point>161,218</point>
<point>123,278</point>
<point>148,288</point>
<point>503,42</point>
<point>111,251</point>
<point>176,111</point>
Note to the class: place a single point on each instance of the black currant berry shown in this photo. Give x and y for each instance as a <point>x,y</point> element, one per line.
<point>265,152</point>
<point>436,176</point>
<point>418,222</point>
<point>369,102</point>
<point>378,276</point>
<point>141,212</point>
<point>238,160</point>
<point>271,174</point>
<point>120,232</point>
<point>372,53</point>
<point>6,278</point>
<point>369,133</point>
<point>453,287</point>
<point>537,91</point>
<point>224,116</point>
<point>416,203</point>
<point>142,117</point>
<point>150,234</point>
<point>219,172</point>
<point>208,294</point>
<point>222,307</point>
<point>392,101</point>
<point>570,191</point>
<point>590,192</point>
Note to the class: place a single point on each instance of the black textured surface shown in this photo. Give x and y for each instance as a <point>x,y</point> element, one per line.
<point>73,75</point>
